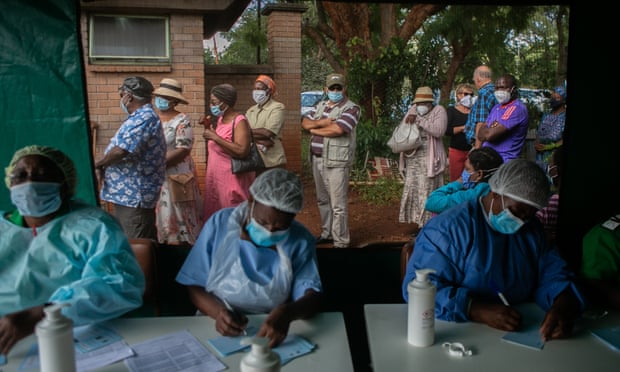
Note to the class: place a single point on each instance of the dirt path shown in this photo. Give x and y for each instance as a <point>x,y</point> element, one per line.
<point>368,223</point>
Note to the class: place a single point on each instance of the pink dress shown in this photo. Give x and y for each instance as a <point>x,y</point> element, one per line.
<point>223,188</point>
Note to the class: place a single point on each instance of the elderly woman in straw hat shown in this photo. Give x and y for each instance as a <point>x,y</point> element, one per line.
<point>425,165</point>
<point>55,249</point>
<point>179,209</point>
<point>223,188</point>
<point>266,119</point>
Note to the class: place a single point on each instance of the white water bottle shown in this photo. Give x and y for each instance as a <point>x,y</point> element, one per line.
<point>421,309</point>
<point>260,358</point>
<point>55,338</point>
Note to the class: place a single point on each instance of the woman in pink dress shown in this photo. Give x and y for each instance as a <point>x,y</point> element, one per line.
<point>223,188</point>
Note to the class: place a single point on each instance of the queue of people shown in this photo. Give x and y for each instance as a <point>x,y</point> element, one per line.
<point>250,255</point>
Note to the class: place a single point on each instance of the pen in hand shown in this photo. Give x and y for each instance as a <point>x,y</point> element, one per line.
<point>499,293</point>
<point>234,314</point>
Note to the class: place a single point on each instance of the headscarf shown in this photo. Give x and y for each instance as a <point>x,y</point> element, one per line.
<point>279,189</point>
<point>268,82</point>
<point>561,91</point>
<point>225,93</point>
<point>62,161</point>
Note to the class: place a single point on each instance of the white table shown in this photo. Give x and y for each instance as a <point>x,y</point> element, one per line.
<point>389,350</point>
<point>326,330</point>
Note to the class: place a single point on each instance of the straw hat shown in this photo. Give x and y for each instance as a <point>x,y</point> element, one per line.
<point>423,94</point>
<point>170,88</point>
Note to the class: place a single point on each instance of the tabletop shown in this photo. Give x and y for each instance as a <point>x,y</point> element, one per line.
<point>389,350</point>
<point>326,330</point>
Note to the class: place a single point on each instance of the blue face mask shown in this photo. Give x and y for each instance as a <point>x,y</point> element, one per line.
<point>467,184</point>
<point>216,111</point>
<point>335,96</point>
<point>162,104</point>
<point>36,199</point>
<point>505,222</point>
<point>261,236</point>
<point>124,106</point>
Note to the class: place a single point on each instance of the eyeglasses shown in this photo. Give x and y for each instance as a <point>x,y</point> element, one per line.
<point>335,87</point>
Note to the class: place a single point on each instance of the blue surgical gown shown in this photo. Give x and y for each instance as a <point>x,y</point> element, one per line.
<point>82,258</point>
<point>258,263</point>
<point>471,259</point>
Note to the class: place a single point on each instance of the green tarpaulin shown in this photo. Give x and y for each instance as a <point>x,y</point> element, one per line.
<point>41,75</point>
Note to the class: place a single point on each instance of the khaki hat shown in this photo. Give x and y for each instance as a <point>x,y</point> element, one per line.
<point>170,88</point>
<point>335,79</point>
<point>423,94</point>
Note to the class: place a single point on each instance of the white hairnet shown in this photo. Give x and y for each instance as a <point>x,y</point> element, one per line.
<point>522,180</point>
<point>280,189</point>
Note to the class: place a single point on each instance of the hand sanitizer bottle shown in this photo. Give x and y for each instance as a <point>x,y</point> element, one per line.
<point>260,358</point>
<point>421,309</point>
<point>55,337</point>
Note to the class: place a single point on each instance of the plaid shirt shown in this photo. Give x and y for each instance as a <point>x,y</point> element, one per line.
<point>480,110</point>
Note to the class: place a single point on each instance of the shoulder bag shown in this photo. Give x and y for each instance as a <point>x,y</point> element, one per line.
<point>251,163</point>
<point>181,187</point>
<point>405,137</point>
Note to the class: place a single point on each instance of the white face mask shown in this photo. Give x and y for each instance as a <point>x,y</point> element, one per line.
<point>466,101</point>
<point>502,96</point>
<point>260,96</point>
<point>422,110</point>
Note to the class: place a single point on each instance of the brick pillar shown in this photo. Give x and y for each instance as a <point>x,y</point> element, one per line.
<point>284,43</point>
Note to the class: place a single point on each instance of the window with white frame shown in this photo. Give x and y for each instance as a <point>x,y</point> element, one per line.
<point>116,39</point>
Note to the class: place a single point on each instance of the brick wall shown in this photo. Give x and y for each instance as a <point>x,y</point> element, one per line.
<point>102,82</point>
<point>186,31</point>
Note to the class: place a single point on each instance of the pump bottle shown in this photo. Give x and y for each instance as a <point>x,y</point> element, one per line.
<point>421,309</point>
<point>260,358</point>
<point>55,338</point>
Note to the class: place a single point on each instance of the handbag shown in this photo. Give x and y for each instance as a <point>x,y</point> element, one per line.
<point>405,137</point>
<point>181,187</point>
<point>251,163</point>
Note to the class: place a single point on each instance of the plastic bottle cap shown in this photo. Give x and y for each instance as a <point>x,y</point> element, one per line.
<point>422,274</point>
<point>52,312</point>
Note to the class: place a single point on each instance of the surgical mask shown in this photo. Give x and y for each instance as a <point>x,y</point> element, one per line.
<point>162,104</point>
<point>465,176</point>
<point>466,101</point>
<point>335,96</point>
<point>260,96</point>
<point>124,106</point>
<point>504,222</point>
<point>260,235</point>
<point>36,199</point>
<point>502,96</point>
<point>216,111</point>
<point>422,110</point>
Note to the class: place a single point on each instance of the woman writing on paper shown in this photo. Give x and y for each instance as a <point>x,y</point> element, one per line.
<point>257,259</point>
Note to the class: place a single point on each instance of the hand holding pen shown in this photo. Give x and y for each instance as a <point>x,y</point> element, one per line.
<point>501,296</point>
<point>240,320</point>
